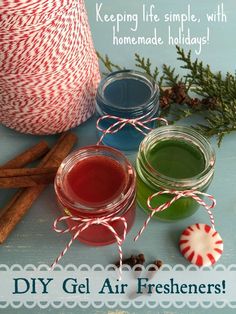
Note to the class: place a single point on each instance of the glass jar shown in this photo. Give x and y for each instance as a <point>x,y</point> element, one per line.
<point>97,182</point>
<point>131,95</point>
<point>173,158</point>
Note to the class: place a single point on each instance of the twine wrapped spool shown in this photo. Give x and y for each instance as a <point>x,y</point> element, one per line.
<point>48,67</point>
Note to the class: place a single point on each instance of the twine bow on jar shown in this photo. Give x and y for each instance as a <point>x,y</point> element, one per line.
<point>138,123</point>
<point>84,223</point>
<point>177,195</point>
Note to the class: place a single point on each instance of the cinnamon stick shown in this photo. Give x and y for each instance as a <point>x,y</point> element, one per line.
<point>26,177</point>
<point>26,181</point>
<point>24,199</point>
<point>31,154</point>
<point>18,172</point>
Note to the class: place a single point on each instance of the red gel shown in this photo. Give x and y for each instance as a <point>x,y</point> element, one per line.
<point>97,182</point>
<point>96,179</point>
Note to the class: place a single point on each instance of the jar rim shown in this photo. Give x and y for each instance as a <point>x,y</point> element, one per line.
<point>188,135</point>
<point>112,205</point>
<point>128,74</point>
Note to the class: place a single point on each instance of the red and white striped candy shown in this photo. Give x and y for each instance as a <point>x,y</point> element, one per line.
<point>201,244</point>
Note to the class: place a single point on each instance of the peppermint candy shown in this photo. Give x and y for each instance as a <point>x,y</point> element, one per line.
<point>201,244</point>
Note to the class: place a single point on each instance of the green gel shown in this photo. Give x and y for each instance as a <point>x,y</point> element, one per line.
<point>175,159</point>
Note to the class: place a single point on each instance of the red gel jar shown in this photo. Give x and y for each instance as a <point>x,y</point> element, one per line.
<point>97,182</point>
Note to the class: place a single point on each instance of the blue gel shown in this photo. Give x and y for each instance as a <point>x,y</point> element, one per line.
<point>126,94</point>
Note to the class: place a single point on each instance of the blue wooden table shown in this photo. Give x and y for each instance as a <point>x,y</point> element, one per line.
<point>33,240</point>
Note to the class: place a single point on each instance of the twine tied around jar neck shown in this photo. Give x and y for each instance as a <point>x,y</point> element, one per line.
<point>83,224</point>
<point>177,195</point>
<point>138,123</point>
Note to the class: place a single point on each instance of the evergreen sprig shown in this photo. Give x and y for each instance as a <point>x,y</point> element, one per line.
<point>145,65</point>
<point>169,76</point>
<point>205,82</point>
<point>221,119</point>
<point>198,91</point>
<point>110,66</point>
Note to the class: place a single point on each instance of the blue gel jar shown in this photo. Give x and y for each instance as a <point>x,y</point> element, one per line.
<point>131,95</point>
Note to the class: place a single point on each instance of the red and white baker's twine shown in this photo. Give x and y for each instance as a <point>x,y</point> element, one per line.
<point>84,223</point>
<point>48,70</point>
<point>178,194</point>
<point>138,123</point>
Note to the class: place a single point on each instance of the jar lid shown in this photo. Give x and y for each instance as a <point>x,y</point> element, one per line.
<point>128,92</point>
<point>176,157</point>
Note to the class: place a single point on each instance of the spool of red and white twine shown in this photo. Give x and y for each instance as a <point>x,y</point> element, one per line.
<point>138,123</point>
<point>48,69</point>
<point>200,244</point>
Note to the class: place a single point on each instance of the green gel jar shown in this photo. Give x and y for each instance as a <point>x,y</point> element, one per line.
<point>173,158</point>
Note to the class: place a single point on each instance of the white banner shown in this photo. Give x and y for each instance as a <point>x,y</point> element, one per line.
<point>99,286</point>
